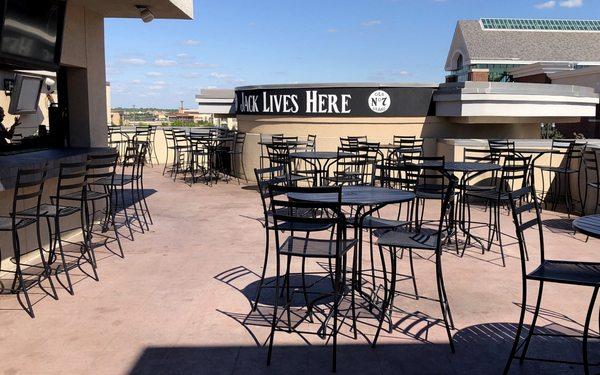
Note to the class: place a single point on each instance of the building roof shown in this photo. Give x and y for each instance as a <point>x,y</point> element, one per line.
<point>521,46</point>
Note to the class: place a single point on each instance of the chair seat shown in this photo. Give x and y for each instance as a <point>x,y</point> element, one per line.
<point>373,222</point>
<point>296,177</point>
<point>567,272</point>
<point>90,195</point>
<point>6,223</point>
<point>50,210</point>
<point>343,178</point>
<point>548,168</point>
<point>118,181</point>
<point>300,227</point>
<point>314,248</point>
<point>425,240</point>
<point>488,195</point>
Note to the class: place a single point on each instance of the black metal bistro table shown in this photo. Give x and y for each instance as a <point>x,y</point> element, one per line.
<point>588,225</point>
<point>319,160</point>
<point>366,200</point>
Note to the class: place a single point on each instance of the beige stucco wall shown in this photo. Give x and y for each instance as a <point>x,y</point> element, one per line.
<point>329,130</point>
<point>83,52</point>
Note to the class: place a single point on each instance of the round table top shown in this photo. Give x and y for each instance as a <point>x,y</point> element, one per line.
<point>464,166</point>
<point>292,143</point>
<point>535,151</point>
<point>588,225</point>
<point>317,155</point>
<point>470,166</point>
<point>359,196</point>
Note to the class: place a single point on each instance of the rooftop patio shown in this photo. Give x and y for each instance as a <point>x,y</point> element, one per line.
<point>180,302</point>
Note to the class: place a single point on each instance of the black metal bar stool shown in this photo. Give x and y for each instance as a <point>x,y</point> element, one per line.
<point>71,180</point>
<point>29,187</point>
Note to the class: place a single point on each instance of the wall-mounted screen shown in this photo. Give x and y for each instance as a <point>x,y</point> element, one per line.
<point>32,31</point>
<point>25,95</point>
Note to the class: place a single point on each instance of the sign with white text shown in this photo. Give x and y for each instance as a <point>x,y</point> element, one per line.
<point>337,101</point>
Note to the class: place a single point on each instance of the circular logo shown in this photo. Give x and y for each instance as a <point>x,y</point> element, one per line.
<point>379,101</point>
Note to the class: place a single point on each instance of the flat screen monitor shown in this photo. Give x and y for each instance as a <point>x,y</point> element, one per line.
<point>32,31</point>
<point>25,95</point>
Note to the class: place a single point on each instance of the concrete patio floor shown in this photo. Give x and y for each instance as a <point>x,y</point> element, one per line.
<point>180,303</point>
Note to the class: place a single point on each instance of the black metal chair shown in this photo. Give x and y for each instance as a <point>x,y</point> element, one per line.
<point>28,191</point>
<point>592,177</point>
<point>351,167</point>
<point>421,239</point>
<point>279,156</point>
<point>265,139</point>
<point>181,153</point>
<point>71,180</point>
<point>297,244</point>
<point>236,153</point>
<point>572,153</point>
<point>431,184</point>
<point>169,148</point>
<point>584,274</point>
<point>514,175</point>
<point>130,176</point>
<point>264,178</point>
<point>152,156</point>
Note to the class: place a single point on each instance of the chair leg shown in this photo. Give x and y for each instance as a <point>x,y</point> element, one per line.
<point>336,301</point>
<point>127,222</point>
<point>275,306</point>
<point>372,259</point>
<point>443,304</point>
<point>87,245</point>
<point>533,323</point>
<point>513,350</point>
<point>19,275</point>
<point>264,270</point>
<point>499,229</point>
<point>412,272</point>
<point>135,209</point>
<point>58,239</point>
<point>143,195</point>
<point>353,294</point>
<point>586,364</point>
<point>568,197</point>
<point>384,305</point>
<point>47,269</point>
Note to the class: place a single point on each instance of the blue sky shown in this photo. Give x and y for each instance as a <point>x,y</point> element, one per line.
<point>241,42</point>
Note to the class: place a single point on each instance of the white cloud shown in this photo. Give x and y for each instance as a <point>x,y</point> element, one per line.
<point>156,87</point>
<point>162,62</point>
<point>133,61</point>
<point>571,3</point>
<point>182,55</point>
<point>154,74</point>
<point>332,30</point>
<point>190,42</point>
<point>219,75</point>
<point>251,24</point>
<point>136,81</point>
<point>546,5</point>
<point>160,83</point>
<point>371,23</point>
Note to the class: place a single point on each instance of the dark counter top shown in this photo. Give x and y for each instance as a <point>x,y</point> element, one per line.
<point>10,164</point>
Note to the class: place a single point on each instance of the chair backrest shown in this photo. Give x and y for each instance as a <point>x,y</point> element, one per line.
<point>29,188</point>
<point>515,170</point>
<point>408,142</point>
<point>284,139</point>
<point>311,140</point>
<point>142,134</point>
<point>590,162</point>
<point>279,155</point>
<point>352,141</point>
<point>266,177</point>
<point>294,212</point>
<point>101,166</point>
<point>519,205</point>
<point>501,145</point>
<point>449,194</point>
<point>478,155</point>
<point>432,179</point>
<point>352,166</point>
<point>395,176</point>
<point>71,179</point>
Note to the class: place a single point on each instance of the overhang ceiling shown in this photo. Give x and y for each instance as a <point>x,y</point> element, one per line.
<point>172,9</point>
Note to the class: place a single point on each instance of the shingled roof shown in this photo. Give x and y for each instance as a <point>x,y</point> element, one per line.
<point>521,46</point>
